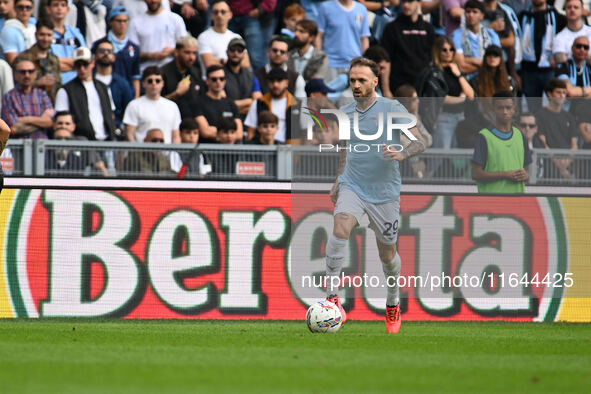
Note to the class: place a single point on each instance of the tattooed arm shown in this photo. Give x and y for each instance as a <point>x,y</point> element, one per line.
<point>413,149</point>
<point>334,191</point>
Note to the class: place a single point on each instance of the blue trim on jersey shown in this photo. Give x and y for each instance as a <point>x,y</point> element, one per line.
<point>501,134</point>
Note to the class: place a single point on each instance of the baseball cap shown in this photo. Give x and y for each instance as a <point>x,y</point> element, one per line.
<point>82,54</point>
<point>236,41</point>
<point>317,85</point>
<point>276,73</point>
<point>116,11</point>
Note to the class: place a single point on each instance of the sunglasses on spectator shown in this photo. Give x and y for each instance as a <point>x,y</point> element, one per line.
<point>61,138</point>
<point>156,140</point>
<point>215,79</point>
<point>528,125</point>
<point>103,51</point>
<point>23,8</point>
<point>581,46</point>
<point>25,72</point>
<point>81,64</point>
<point>150,81</point>
<point>279,51</point>
<point>238,49</point>
<point>219,12</point>
<point>447,50</point>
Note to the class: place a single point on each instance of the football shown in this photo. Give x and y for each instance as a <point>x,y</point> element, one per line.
<point>323,316</point>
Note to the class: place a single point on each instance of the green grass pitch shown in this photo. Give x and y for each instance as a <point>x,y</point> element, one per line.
<point>115,356</point>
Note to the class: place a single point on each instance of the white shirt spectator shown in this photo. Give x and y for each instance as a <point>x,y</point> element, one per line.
<point>215,43</point>
<point>62,103</point>
<point>146,114</point>
<point>155,32</point>
<point>278,107</point>
<point>563,41</point>
<point>138,7</point>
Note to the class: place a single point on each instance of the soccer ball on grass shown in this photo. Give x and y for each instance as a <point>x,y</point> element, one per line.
<point>324,316</point>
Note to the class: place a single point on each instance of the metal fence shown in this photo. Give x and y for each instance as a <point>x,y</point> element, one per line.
<point>58,158</point>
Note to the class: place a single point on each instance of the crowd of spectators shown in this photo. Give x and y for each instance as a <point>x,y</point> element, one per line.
<point>234,71</point>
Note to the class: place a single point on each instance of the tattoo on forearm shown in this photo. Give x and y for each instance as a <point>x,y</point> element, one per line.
<point>414,148</point>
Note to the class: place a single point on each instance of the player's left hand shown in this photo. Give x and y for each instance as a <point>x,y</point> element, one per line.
<point>391,155</point>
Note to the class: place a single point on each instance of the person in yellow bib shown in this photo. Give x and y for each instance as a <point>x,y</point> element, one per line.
<point>501,152</point>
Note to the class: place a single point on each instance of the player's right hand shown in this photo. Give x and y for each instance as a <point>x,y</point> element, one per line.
<point>334,193</point>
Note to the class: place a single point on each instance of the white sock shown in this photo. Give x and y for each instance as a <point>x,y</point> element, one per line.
<point>392,269</point>
<point>335,257</point>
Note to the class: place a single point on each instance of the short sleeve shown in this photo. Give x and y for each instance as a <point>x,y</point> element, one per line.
<point>204,44</point>
<point>235,110</point>
<point>252,118</point>
<point>321,18</point>
<point>10,38</point>
<point>480,151</point>
<point>256,85</point>
<point>131,117</point>
<point>365,25</point>
<point>456,37</point>
<point>61,101</point>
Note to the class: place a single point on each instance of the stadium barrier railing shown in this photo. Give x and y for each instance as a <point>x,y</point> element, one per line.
<point>74,158</point>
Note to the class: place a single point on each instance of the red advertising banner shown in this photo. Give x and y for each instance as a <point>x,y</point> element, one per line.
<point>226,255</point>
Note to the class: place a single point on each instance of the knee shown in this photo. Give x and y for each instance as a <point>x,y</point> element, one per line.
<point>341,232</point>
<point>386,256</point>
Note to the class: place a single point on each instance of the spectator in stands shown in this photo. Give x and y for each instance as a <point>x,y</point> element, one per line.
<point>491,78</point>
<point>61,158</point>
<point>6,12</point>
<point>539,24</point>
<point>248,20</point>
<point>498,18</point>
<point>343,34</point>
<point>472,39</point>
<point>226,131</point>
<point>563,42</point>
<point>121,91</point>
<point>182,79</point>
<point>27,109</point>
<point>214,41</point>
<point>46,63</point>
<point>518,5</point>
<point>576,71</point>
<point>88,100</point>
<point>529,127</point>
<point>407,95</point>
<point>278,56</point>
<point>558,128</point>
<point>6,80</point>
<point>305,59</point>
<point>18,34</point>
<point>194,14</point>
<point>452,11</point>
<point>458,90</point>
<point>195,162</point>
<point>66,38</point>
<point>294,14</point>
<point>268,124</point>
<point>148,162</point>
<point>501,153</point>
<point>152,111</point>
<point>278,100</point>
<point>127,53</point>
<point>213,106</point>
<point>410,39</point>
<point>242,85</point>
<point>138,7</point>
<point>379,55</point>
<point>156,33</point>
<point>91,18</point>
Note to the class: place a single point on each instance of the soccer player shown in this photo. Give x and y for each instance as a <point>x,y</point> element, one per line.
<point>369,183</point>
